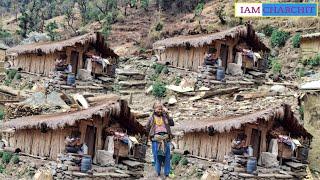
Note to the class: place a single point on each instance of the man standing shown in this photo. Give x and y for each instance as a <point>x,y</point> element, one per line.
<point>159,131</point>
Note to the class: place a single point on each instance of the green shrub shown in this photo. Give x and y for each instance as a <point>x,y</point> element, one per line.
<point>11,73</point>
<point>300,72</point>
<point>279,38</point>
<point>1,118</point>
<point>159,89</point>
<point>142,50</point>
<point>6,157</point>
<point>184,161</point>
<point>301,112</point>
<point>165,70</point>
<point>159,26</point>
<point>2,168</point>
<point>276,66</point>
<point>176,159</point>
<point>296,40</point>
<point>314,61</point>
<point>177,81</point>
<point>158,68</point>
<point>267,30</point>
<point>15,159</point>
<point>154,77</point>
<point>17,76</point>
<point>1,154</point>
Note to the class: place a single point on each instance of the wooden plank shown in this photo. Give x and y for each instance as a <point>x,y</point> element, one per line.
<point>47,149</point>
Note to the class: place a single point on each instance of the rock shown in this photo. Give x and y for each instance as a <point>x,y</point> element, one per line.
<point>278,89</point>
<point>246,175</point>
<point>148,91</point>
<point>53,172</point>
<point>84,75</point>
<point>239,169</point>
<point>104,158</point>
<point>269,160</point>
<point>210,175</point>
<point>274,52</point>
<point>59,175</point>
<point>73,168</point>
<point>260,175</point>
<point>64,167</point>
<point>32,165</point>
<point>230,168</point>
<point>43,175</point>
<point>226,176</point>
<point>234,69</point>
<point>286,168</point>
<point>283,176</point>
<point>172,100</point>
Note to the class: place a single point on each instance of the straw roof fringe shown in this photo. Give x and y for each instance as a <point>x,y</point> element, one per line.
<point>226,125</point>
<point>241,31</point>
<point>51,47</point>
<point>310,36</point>
<point>61,120</point>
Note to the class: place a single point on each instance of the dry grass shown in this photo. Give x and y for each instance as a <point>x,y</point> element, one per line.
<point>60,120</point>
<point>51,47</point>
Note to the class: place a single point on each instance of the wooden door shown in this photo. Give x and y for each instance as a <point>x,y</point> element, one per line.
<point>224,55</point>
<point>255,142</point>
<point>74,61</point>
<point>90,139</point>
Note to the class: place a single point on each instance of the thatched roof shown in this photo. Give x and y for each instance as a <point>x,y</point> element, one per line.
<point>52,47</point>
<point>310,36</point>
<point>117,109</point>
<point>225,125</point>
<point>245,32</point>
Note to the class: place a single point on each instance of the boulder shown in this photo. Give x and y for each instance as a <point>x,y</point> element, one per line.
<point>43,175</point>
<point>234,69</point>
<point>269,160</point>
<point>172,100</point>
<point>84,75</point>
<point>280,89</point>
<point>210,175</point>
<point>105,158</point>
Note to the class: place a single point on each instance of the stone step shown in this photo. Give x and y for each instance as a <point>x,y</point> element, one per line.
<point>131,77</point>
<point>134,91</point>
<point>128,73</point>
<point>132,83</point>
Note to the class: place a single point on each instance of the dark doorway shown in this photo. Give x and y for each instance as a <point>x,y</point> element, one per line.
<point>74,61</point>
<point>255,142</point>
<point>90,139</point>
<point>224,55</point>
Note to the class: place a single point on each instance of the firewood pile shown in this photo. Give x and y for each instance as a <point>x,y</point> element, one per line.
<point>15,110</point>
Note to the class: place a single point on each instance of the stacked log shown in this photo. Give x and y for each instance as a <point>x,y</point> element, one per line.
<point>13,111</point>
